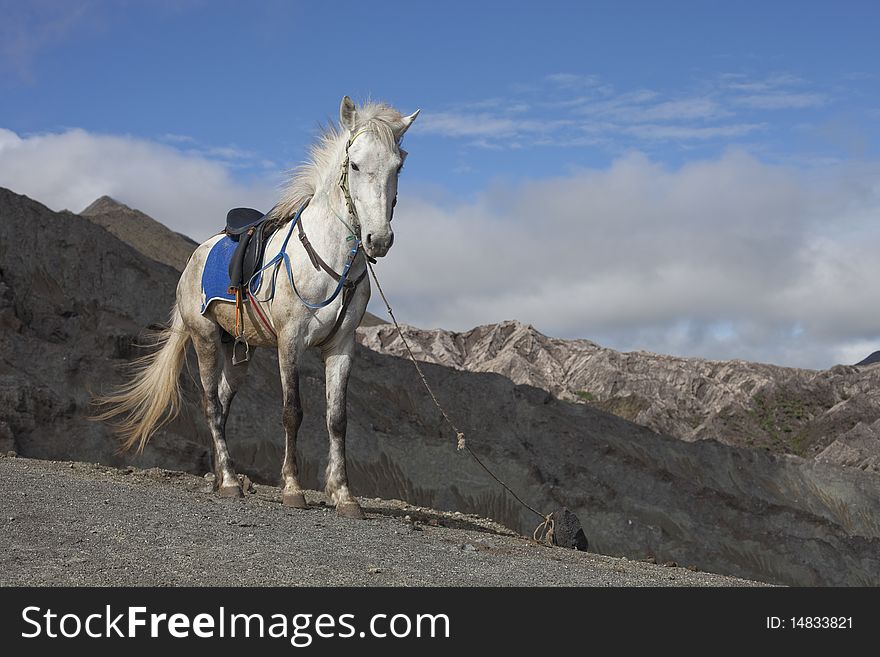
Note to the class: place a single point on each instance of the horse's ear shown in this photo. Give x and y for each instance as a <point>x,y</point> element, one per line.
<point>347,113</point>
<point>407,121</point>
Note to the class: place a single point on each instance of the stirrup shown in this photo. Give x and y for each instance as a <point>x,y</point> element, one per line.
<point>235,351</point>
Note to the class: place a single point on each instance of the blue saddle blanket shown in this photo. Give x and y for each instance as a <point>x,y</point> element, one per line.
<point>215,276</point>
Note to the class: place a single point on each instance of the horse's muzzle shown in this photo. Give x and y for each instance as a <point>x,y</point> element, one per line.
<point>377,245</point>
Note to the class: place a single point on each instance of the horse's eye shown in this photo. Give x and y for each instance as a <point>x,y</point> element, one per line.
<point>354,167</point>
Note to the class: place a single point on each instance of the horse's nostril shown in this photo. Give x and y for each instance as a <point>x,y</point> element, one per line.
<point>369,238</point>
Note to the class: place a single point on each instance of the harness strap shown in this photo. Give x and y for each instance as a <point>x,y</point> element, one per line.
<point>317,261</point>
<point>347,296</point>
<point>255,304</point>
<point>239,331</point>
<point>283,257</point>
<point>238,312</point>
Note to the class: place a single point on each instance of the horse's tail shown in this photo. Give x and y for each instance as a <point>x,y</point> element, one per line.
<point>152,398</point>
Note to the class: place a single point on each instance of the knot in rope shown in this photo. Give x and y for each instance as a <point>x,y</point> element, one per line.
<point>546,527</point>
<point>544,532</point>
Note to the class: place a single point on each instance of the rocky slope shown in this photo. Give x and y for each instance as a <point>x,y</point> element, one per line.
<point>870,359</point>
<point>74,298</point>
<point>75,524</point>
<point>141,232</point>
<point>739,403</point>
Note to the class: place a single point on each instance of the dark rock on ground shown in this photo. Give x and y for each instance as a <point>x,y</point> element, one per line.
<point>567,531</point>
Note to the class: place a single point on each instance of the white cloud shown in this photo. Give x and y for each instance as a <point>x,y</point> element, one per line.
<point>622,105</point>
<point>779,91</point>
<point>721,258</point>
<point>189,191</point>
<point>567,107</point>
<point>478,124</point>
<point>727,257</point>
<point>685,132</point>
<point>684,109</point>
<point>571,110</point>
<point>780,100</point>
<point>178,139</point>
<point>742,82</point>
<point>229,153</point>
<point>573,80</point>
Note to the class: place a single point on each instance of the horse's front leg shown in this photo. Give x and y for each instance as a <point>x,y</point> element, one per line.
<point>288,357</point>
<point>337,363</point>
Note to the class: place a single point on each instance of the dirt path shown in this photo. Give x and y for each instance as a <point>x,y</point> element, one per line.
<point>82,524</point>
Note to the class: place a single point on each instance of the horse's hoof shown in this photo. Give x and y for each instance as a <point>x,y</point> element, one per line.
<point>350,509</point>
<point>230,491</point>
<point>295,500</point>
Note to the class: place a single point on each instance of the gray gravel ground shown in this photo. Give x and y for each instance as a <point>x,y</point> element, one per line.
<point>81,524</point>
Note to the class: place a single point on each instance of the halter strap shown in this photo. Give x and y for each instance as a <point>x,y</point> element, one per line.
<point>343,183</point>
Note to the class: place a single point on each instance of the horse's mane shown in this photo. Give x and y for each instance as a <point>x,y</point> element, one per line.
<point>325,157</point>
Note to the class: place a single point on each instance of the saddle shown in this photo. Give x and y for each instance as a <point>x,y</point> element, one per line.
<point>245,226</point>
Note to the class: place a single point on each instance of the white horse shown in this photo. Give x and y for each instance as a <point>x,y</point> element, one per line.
<point>344,198</point>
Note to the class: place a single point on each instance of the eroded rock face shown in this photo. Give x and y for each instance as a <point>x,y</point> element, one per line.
<point>73,298</point>
<point>142,232</point>
<point>857,448</point>
<point>739,403</point>
<point>76,299</point>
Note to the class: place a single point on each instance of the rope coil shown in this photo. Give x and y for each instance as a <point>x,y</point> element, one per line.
<point>544,532</point>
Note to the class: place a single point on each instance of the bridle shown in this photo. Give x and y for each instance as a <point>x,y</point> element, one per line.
<point>346,192</point>
<point>343,184</point>
<point>344,284</point>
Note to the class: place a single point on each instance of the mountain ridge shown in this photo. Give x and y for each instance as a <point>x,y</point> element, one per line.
<point>141,232</point>
<point>75,301</point>
<point>870,359</point>
<point>754,405</point>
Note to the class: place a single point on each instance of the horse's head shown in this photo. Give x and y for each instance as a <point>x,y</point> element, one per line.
<point>370,171</point>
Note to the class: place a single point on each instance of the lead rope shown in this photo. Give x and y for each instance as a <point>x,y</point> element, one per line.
<point>544,531</point>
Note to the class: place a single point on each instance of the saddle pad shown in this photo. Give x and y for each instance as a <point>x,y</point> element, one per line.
<point>215,276</point>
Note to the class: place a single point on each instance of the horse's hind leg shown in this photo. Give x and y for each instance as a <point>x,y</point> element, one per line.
<point>288,355</point>
<point>219,389</point>
<point>337,364</point>
<point>231,379</point>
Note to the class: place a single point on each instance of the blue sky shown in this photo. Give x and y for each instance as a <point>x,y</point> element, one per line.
<point>519,102</point>
<point>509,91</point>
